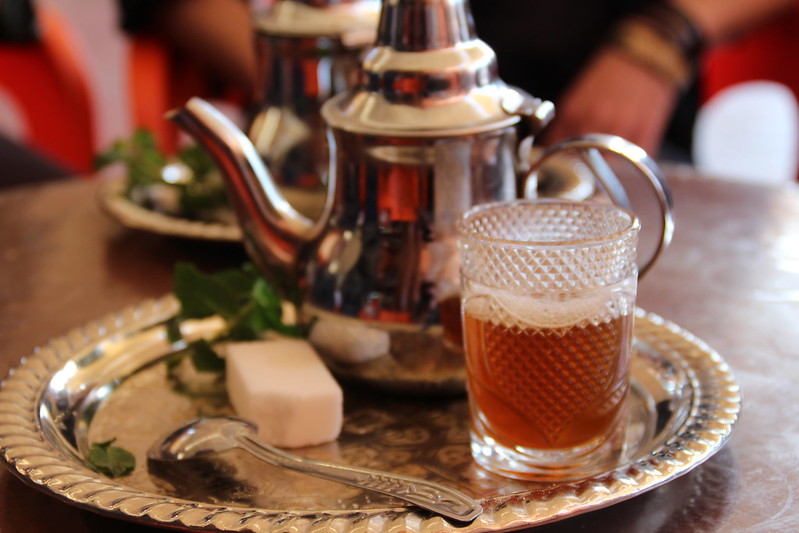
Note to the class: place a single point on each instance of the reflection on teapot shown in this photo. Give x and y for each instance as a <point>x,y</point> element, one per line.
<point>428,131</point>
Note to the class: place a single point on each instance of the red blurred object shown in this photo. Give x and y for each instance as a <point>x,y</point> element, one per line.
<point>46,82</point>
<point>767,53</point>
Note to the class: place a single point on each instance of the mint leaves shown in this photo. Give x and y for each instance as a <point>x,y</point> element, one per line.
<point>249,306</point>
<point>110,460</point>
<point>199,192</point>
<point>139,154</point>
<point>242,297</point>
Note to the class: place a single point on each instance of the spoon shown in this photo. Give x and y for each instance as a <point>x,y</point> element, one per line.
<point>205,436</point>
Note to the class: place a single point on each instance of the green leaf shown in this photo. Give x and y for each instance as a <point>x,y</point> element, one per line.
<point>238,281</point>
<point>111,461</point>
<point>203,295</point>
<point>242,297</point>
<point>204,357</point>
<point>143,139</point>
<point>242,330</point>
<point>197,196</point>
<point>268,312</point>
<point>197,159</point>
<point>110,156</point>
<point>173,333</point>
<point>141,157</point>
<point>174,359</point>
<point>144,162</point>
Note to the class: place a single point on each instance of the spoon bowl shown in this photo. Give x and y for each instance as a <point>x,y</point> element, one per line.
<point>201,437</point>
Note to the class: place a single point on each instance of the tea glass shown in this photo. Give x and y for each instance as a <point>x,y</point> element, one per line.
<point>548,300</point>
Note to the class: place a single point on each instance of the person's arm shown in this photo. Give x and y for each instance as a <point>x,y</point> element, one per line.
<point>631,85</point>
<point>720,20</point>
<point>215,33</point>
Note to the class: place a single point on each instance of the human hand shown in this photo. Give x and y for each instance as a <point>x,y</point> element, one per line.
<point>614,94</point>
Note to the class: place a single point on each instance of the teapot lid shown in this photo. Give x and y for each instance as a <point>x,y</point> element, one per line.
<point>428,75</point>
<point>353,21</point>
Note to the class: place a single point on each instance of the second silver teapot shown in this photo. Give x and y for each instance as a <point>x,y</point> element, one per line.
<point>307,51</point>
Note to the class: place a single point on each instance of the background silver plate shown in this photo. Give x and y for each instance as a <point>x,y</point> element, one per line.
<point>108,380</point>
<point>132,215</point>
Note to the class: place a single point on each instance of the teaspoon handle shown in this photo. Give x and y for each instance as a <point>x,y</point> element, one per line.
<point>426,494</point>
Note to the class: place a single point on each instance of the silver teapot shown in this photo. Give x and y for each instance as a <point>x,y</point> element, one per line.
<point>428,131</point>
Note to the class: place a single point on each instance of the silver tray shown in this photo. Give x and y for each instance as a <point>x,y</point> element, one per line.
<point>109,379</point>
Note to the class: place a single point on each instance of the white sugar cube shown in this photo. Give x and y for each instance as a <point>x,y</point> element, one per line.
<point>348,342</point>
<point>284,388</point>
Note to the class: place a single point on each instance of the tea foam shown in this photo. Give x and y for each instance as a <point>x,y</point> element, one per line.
<point>513,309</point>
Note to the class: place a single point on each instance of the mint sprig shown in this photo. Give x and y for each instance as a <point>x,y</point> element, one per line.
<point>139,154</point>
<point>242,297</point>
<point>110,460</point>
<point>145,163</point>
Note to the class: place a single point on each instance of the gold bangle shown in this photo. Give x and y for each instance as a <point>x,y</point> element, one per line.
<point>650,49</point>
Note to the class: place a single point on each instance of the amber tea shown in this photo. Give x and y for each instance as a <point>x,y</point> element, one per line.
<point>546,387</point>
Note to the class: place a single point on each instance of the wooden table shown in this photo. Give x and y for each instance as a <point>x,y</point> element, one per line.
<point>731,277</point>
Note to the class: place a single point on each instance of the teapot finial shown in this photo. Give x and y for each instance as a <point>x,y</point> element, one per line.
<point>444,24</point>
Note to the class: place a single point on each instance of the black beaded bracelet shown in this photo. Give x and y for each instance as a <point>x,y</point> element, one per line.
<point>673,24</point>
<point>650,49</point>
<point>662,39</point>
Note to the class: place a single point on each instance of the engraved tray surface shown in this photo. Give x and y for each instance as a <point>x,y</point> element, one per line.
<point>108,379</point>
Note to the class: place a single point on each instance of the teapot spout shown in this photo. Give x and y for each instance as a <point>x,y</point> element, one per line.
<point>274,231</point>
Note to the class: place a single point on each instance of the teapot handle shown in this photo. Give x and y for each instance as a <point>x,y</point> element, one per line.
<point>589,148</point>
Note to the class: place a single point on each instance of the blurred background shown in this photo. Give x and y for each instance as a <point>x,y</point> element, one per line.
<point>101,48</point>
<point>78,72</point>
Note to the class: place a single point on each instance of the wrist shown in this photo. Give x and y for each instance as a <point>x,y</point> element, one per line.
<point>662,39</point>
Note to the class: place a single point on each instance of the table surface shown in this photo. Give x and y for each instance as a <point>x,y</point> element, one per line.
<point>731,277</point>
